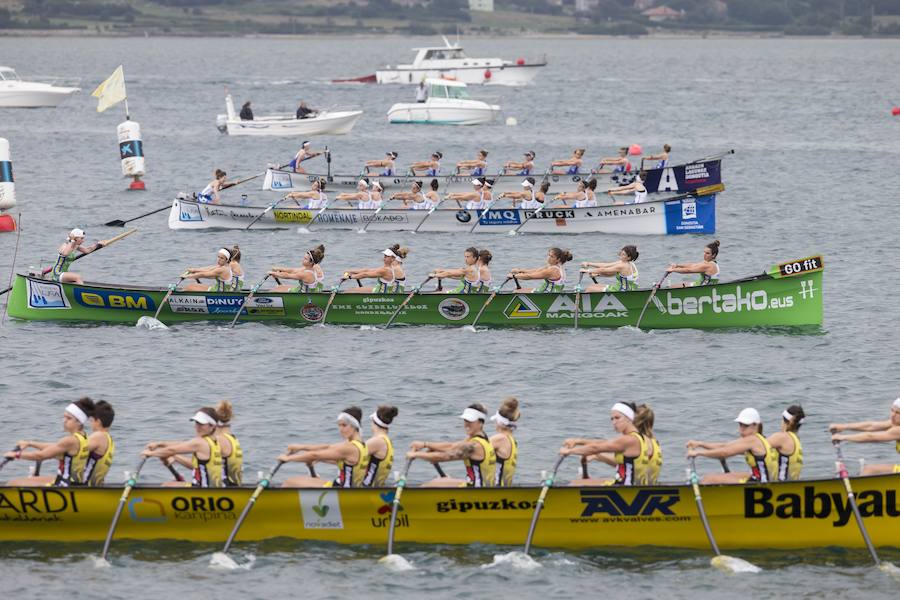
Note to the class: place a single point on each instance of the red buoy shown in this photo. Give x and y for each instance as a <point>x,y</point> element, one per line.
<point>7,223</point>
<point>635,149</point>
<point>520,61</point>
<point>487,74</point>
<point>895,111</point>
<point>137,184</point>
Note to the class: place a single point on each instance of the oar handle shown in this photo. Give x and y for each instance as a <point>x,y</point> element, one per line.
<point>584,468</point>
<point>178,476</point>
<point>439,469</point>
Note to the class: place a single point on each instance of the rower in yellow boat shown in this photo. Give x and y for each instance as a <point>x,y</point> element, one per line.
<point>232,453</point>
<point>776,458</point>
<point>624,270</point>
<point>204,450</point>
<point>707,271</point>
<point>506,448</point>
<point>310,277</point>
<point>873,431</point>
<point>83,459</point>
<point>350,455</point>
<point>66,256</point>
<point>389,277</point>
<point>474,277</point>
<point>220,273</point>
<point>380,447</point>
<point>635,453</point>
<point>476,452</point>
<point>553,273</point>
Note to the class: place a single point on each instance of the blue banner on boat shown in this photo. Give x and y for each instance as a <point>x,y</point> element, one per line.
<point>684,178</point>
<point>691,215</point>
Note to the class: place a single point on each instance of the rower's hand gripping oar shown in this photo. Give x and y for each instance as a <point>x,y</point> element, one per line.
<point>720,561</point>
<point>395,508</point>
<point>262,485</point>
<point>539,505</point>
<point>8,460</point>
<point>406,301</point>
<point>650,298</point>
<point>887,567</point>
<point>247,298</point>
<point>102,244</point>
<point>129,485</point>
<point>490,298</point>
<point>334,292</point>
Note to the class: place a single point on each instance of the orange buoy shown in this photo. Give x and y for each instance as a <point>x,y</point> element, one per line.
<point>635,149</point>
<point>520,61</point>
<point>7,223</point>
<point>895,111</point>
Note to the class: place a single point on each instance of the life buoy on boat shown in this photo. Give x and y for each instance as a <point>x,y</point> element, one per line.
<point>7,185</point>
<point>487,74</point>
<point>131,149</point>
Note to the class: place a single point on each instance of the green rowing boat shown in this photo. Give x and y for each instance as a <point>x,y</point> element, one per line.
<point>789,294</point>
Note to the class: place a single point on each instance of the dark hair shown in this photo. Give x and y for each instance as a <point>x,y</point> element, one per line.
<point>355,412</point>
<point>581,150</point>
<point>631,251</point>
<point>386,413</point>
<point>401,252</point>
<point>489,183</point>
<point>211,412</point>
<point>643,174</point>
<point>479,407</point>
<point>667,147</point>
<point>393,154</point>
<point>797,415</point>
<point>225,412</point>
<point>220,173</point>
<point>531,153</point>
<point>86,404</point>
<point>484,153</point>
<point>236,253</point>
<point>434,184</point>
<point>473,251</point>
<point>561,255</point>
<point>246,104</point>
<point>438,154</point>
<point>530,180</point>
<point>643,420</point>
<point>509,408</point>
<point>103,412</point>
<point>485,256</point>
<point>317,254</point>
<point>545,187</point>
<point>592,184</point>
<point>322,183</point>
<point>713,247</point>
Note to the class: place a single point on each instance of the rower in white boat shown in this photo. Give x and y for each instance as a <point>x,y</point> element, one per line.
<point>428,168</point>
<point>636,188</point>
<point>304,154</point>
<point>360,196</point>
<point>473,168</point>
<point>315,198</point>
<point>477,199</point>
<point>524,167</point>
<point>415,198</point>
<point>529,198</point>
<point>385,164</point>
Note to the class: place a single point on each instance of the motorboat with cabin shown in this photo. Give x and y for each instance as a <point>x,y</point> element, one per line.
<point>448,103</point>
<point>16,93</point>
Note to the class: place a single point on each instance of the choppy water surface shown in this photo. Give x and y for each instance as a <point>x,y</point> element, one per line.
<point>815,172</point>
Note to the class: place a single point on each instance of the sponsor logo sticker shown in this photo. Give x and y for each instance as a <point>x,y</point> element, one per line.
<point>688,210</point>
<point>453,309</point>
<point>320,509</point>
<point>646,502</point>
<point>189,213</point>
<point>312,313</point>
<point>121,300</point>
<point>292,216</point>
<point>46,294</point>
<point>521,307</point>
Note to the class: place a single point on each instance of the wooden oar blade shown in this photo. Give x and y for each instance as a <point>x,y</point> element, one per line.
<point>709,189</point>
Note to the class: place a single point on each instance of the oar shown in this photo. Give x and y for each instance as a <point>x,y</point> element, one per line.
<point>375,214</point>
<point>146,321</point>
<point>265,212</point>
<point>578,291</point>
<point>245,180</point>
<point>105,243</point>
<point>539,505</point>
<point>490,298</point>
<point>316,216</point>
<point>406,301</point>
<point>720,561</point>
<point>178,476</point>
<point>262,485</point>
<point>430,210</point>
<point>334,292</point>
<point>887,567</point>
<point>484,211</point>
<point>649,298</point>
<point>8,460</point>
<point>121,223</point>
<point>132,481</point>
<point>713,157</point>
<point>395,507</point>
<point>547,203</point>
<point>247,298</point>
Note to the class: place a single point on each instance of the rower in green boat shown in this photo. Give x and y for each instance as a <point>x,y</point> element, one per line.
<point>553,273</point>
<point>350,455</point>
<point>390,276</point>
<point>237,271</point>
<point>707,271</point>
<point>776,458</point>
<point>635,453</point>
<point>220,273</point>
<point>202,453</point>
<point>873,431</point>
<point>310,277</point>
<point>66,255</point>
<point>474,277</point>
<point>624,270</point>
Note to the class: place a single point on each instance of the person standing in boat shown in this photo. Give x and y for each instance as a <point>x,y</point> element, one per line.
<point>476,452</point>
<point>873,431</point>
<point>624,270</point>
<point>237,271</point>
<point>305,112</point>
<point>620,164</point>
<point>474,168</point>
<point>421,93</point>
<point>469,275</point>
<point>707,271</point>
<point>429,168</point>
<point>304,154</point>
<point>232,454</point>
<point>205,453</point>
<point>72,450</point>
<point>573,164</point>
<point>553,273</point>
<point>350,455</point>
<point>246,112</point>
<point>210,194</point>
<point>380,447</point>
<point>220,273</point>
<point>389,277</point>
<point>66,256</point>
<point>310,277</point>
<point>636,187</point>
<point>360,196</point>
<point>504,442</point>
<point>316,199</point>
<point>635,453</point>
<point>662,157</point>
<point>520,168</point>
<point>386,164</point>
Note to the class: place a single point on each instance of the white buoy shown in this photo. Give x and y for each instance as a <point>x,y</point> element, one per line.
<point>131,151</point>
<point>511,122</point>
<point>7,185</point>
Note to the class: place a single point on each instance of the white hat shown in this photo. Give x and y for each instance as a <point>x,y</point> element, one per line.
<point>304,144</point>
<point>477,181</point>
<point>471,415</point>
<point>76,233</point>
<point>748,416</point>
<point>527,184</point>
<point>896,404</point>
<point>203,418</point>
<point>375,184</point>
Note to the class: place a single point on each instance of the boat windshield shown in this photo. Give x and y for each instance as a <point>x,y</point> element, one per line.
<point>8,75</point>
<point>458,92</point>
<point>445,54</point>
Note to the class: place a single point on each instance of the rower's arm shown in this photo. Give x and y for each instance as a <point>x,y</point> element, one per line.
<point>619,444</point>
<point>603,457</point>
<point>331,454</point>
<point>625,189</point>
<point>366,273</point>
<point>861,426</point>
<point>183,461</point>
<point>887,435</point>
<point>292,448</point>
<point>541,273</point>
<point>688,268</point>
<point>450,273</point>
<point>725,450</point>
<point>170,449</point>
<point>64,445</point>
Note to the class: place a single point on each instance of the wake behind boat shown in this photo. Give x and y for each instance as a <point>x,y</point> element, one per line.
<point>323,123</point>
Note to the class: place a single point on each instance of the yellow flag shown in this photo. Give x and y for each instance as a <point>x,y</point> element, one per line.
<point>111,91</point>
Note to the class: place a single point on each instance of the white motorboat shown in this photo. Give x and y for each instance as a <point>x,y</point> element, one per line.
<point>15,93</point>
<point>323,123</point>
<point>448,103</point>
<point>450,62</point>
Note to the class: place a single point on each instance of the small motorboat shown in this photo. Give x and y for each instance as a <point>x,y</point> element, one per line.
<point>15,93</point>
<point>322,123</point>
<point>448,103</point>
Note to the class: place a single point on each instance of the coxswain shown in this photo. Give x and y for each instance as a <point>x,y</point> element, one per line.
<point>476,452</point>
<point>553,273</point>
<point>506,448</point>
<point>429,168</point>
<point>66,256</point>
<point>624,270</point>
<point>305,153</point>
<point>470,275</point>
<point>380,447</point>
<point>873,431</point>
<point>310,277</point>
<point>210,194</point>
<point>573,164</point>
<point>524,167</point>
<point>220,273</point>
<point>475,167</point>
<point>390,276</point>
<point>350,455</point>
<point>385,164</point>
<point>72,451</point>
<point>707,271</point>
<point>635,453</point>
<point>205,453</point>
<point>662,157</point>
<point>232,454</point>
<point>636,187</point>
<point>316,199</point>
